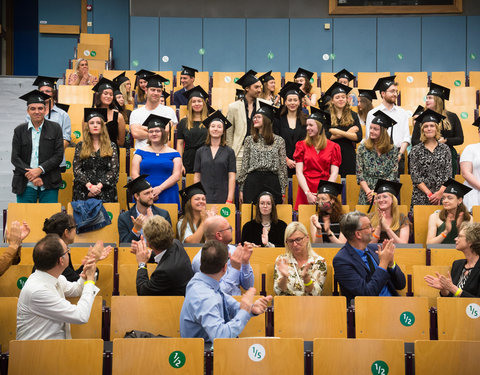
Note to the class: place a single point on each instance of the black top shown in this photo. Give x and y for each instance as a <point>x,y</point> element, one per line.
<point>193,139</point>
<point>252,232</point>
<point>471,288</point>
<point>290,136</point>
<point>454,136</point>
<point>112,128</point>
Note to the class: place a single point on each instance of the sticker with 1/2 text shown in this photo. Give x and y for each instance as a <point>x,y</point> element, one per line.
<point>407,318</point>
<point>177,359</point>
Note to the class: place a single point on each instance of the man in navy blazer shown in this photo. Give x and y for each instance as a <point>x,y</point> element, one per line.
<point>362,268</point>
<point>130,223</point>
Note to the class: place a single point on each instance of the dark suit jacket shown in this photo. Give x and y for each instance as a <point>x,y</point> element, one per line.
<point>354,276</point>
<point>472,286</point>
<point>50,155</point>
<point>125,224</point>
<point>171,276</point>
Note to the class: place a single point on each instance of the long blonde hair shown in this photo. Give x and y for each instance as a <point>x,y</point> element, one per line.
<point>203,115</point>
<point>345,120</point>
<point>320,140</point>
<point>383,142</point>
<point>188,219</point>
<point>126,94</point>
<point>395,212</point>
<point>292,228</point>
<point>440,108</point>
<point>87,145</point>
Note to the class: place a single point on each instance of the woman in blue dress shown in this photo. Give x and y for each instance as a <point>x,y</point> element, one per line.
<point>162,164</point>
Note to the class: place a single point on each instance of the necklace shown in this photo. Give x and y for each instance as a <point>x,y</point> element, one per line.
<point>266,225</point>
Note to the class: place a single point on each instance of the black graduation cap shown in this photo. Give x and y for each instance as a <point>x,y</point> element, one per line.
<point>303,73</point>
<point>247,79</point>
<point>318,115</point>
<point>382,119</point>
<point>105,84</point>
<point>344,73</point>
<point>384,83</point>
<point>121,78</point>
<point>138,184</point>
<point>476,122</point>
<point>267,110</point>
<point>217,116</point>
<point>41,81</point>
<point>155,121</point>
<point>35,96</point>
<point>291,88</point>
<point>187,193</point>
<point>144,74</point>
<point>63,107</point>
<point>385,186</point>
<point>187,71</point>
<point>418,111</point>
<point>329,187</point>
<point>430,116</point>
<point>266,77</point>
<point>196,92</point>
<point>369,94</point>
<point>117,92</point>
<point>440,91</point>
<point>239,93</point>
<point>337,88</point>
<point>455,187</point>
<point>165,94</point>
<point>89,113</point>
<point>156,81</point>
<point>323,101</point>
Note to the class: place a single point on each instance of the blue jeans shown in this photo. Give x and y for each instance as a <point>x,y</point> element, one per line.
<point>31,195</point>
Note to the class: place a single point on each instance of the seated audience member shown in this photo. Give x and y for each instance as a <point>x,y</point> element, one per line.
<point>43,313</point>
<point>325,224</point>
<point>464,278</point>
<point>130,223</point>
<point>364,269</point>
<point>443,225</point>
<point>81,76</point>
<point>470,167</point>
<point>174,269</point>
<point>141,87</point>
<point>208,312</point>
<point>187,80</point>
<point>239,272</point>
<point>300,271</point>
<point>14,237</point>
<point>266,229</point>
<point>95,163</point>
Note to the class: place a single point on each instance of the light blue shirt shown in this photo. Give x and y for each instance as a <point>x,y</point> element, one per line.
<point>35,147</point>
<point>363,254</point>
<point>233,279</point>
<point>208,313</point>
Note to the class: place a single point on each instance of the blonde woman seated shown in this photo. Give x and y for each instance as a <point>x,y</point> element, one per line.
<point>300,271</point>
<point>386,220</point>
<point>82,77</point>
<point>443,224</point>
<point>325,224</point>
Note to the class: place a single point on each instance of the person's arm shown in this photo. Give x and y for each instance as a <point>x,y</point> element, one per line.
<point>334,169</point>
<point>466,168</point>
<point>231,129</point>
<point>173,179</point>
<point>457,138</point>
<point>416,133</point>
<point>16,156</point>
<point>78,170</point>
<point>282,173</point>
<point>66,130</point>
<point>318,274</point>
<point>351,134</point>
<point>110,178</point>
<point>432,237</point>
<point>8,257</point>
<point>73,79</point>
<point>245,163</point>
<point>180,145</point>
<point>316,232</point>
<point>231,187</point>
<point>302,182</point>
<point>58,151</point>
<point>135,170</point>
<point>195,237</point>
<point>280,276</point>
<point>121,130</point>
<point>361,157</point>
<point>138,131</point>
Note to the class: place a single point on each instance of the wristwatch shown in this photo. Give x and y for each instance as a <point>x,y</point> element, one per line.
<point>142,265</point>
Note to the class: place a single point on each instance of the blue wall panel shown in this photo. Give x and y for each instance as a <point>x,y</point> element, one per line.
<point>473,43</point>
<point>144,43</point>
<point>180,41</point>
<point>224,44</point>
<point>398,44</point>
<point>443,43</point>
<point>309,42</point>
<point>265,36</point>
<point>355,44</point>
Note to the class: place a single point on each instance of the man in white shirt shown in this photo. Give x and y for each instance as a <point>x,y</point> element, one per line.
<point>152,106</point>
<point>43,313</point>
<point>400,133</point>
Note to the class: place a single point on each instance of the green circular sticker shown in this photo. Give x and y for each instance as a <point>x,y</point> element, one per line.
<point>77,134</point>
<point>110,215</point>
<point>93,54</point>
<point>64,185</point>
<point>270,55</point>
<point>167,83</point>
<point>473,56</point>
<point>464,115</point>
<point>68,165</point>
<point>21,282</point>
<point>135,62</point>
<point>201,51</point>
<point>176,359</point>
<point>407,318</point>
<point>312,80</point>
<point>332,56</point>
<point>400,56</point>
<point>457,82</point>
<point>235,80</point>
<point>379,368</point>
<point>225,212</point>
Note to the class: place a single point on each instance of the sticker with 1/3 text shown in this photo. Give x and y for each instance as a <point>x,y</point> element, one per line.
<point>256,352</point>
<point>379,368</point>
<point>407,318</point>
<point>177,359</point>
<point>473,311</point>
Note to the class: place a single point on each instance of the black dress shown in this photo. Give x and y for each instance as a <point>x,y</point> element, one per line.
<point>252,232</point>
<point>112,128</point>
<point>290,136</point>
<point>347,147</point>
<point>193,139</point>
<point>214,171</point>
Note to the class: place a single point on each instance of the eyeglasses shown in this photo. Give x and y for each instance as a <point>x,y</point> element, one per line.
<point>66,252</point>
<point>72,227</point>
<point>229,228</point>
<point>298,240</point>
<point>363,228</point>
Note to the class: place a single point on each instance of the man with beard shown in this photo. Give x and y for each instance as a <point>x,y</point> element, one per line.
<point>130,223</point>
<point>187,80</point>
<point>400,133</point>
<point>362,268</point>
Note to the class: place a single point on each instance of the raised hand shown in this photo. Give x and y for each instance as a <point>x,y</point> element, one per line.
<point>282,267</point>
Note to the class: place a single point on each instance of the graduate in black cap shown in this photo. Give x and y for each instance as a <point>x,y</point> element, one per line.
<point>264,157</point>
<point>303,77</point>
<point>268,89</point>
<point>325,223</point>
<point>265,229</point>
<point>291,124</point>
<point>444,225</point>
<point>125,87</point>
<point>81,76</point>
<point>215,165</point>
<point>344,126</point>
<point>115,122</point>
<point>141,86</point>
<point>386,219</point>
<point>95,163</point>
<point>187,80</point>
<point>430,162</point>
<point>130,223</point>
<point>241,112</point>
<point>376,157</point>
<point>37,151</point>
<point>119,100</point>
<point>450,127</point>
<point>162,163</point>
<point>365,98</point>
<point>471,170</point>
<point>316,158</point>
<point>345,77</point>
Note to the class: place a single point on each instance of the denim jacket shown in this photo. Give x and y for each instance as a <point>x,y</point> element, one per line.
<point>90,215</point>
